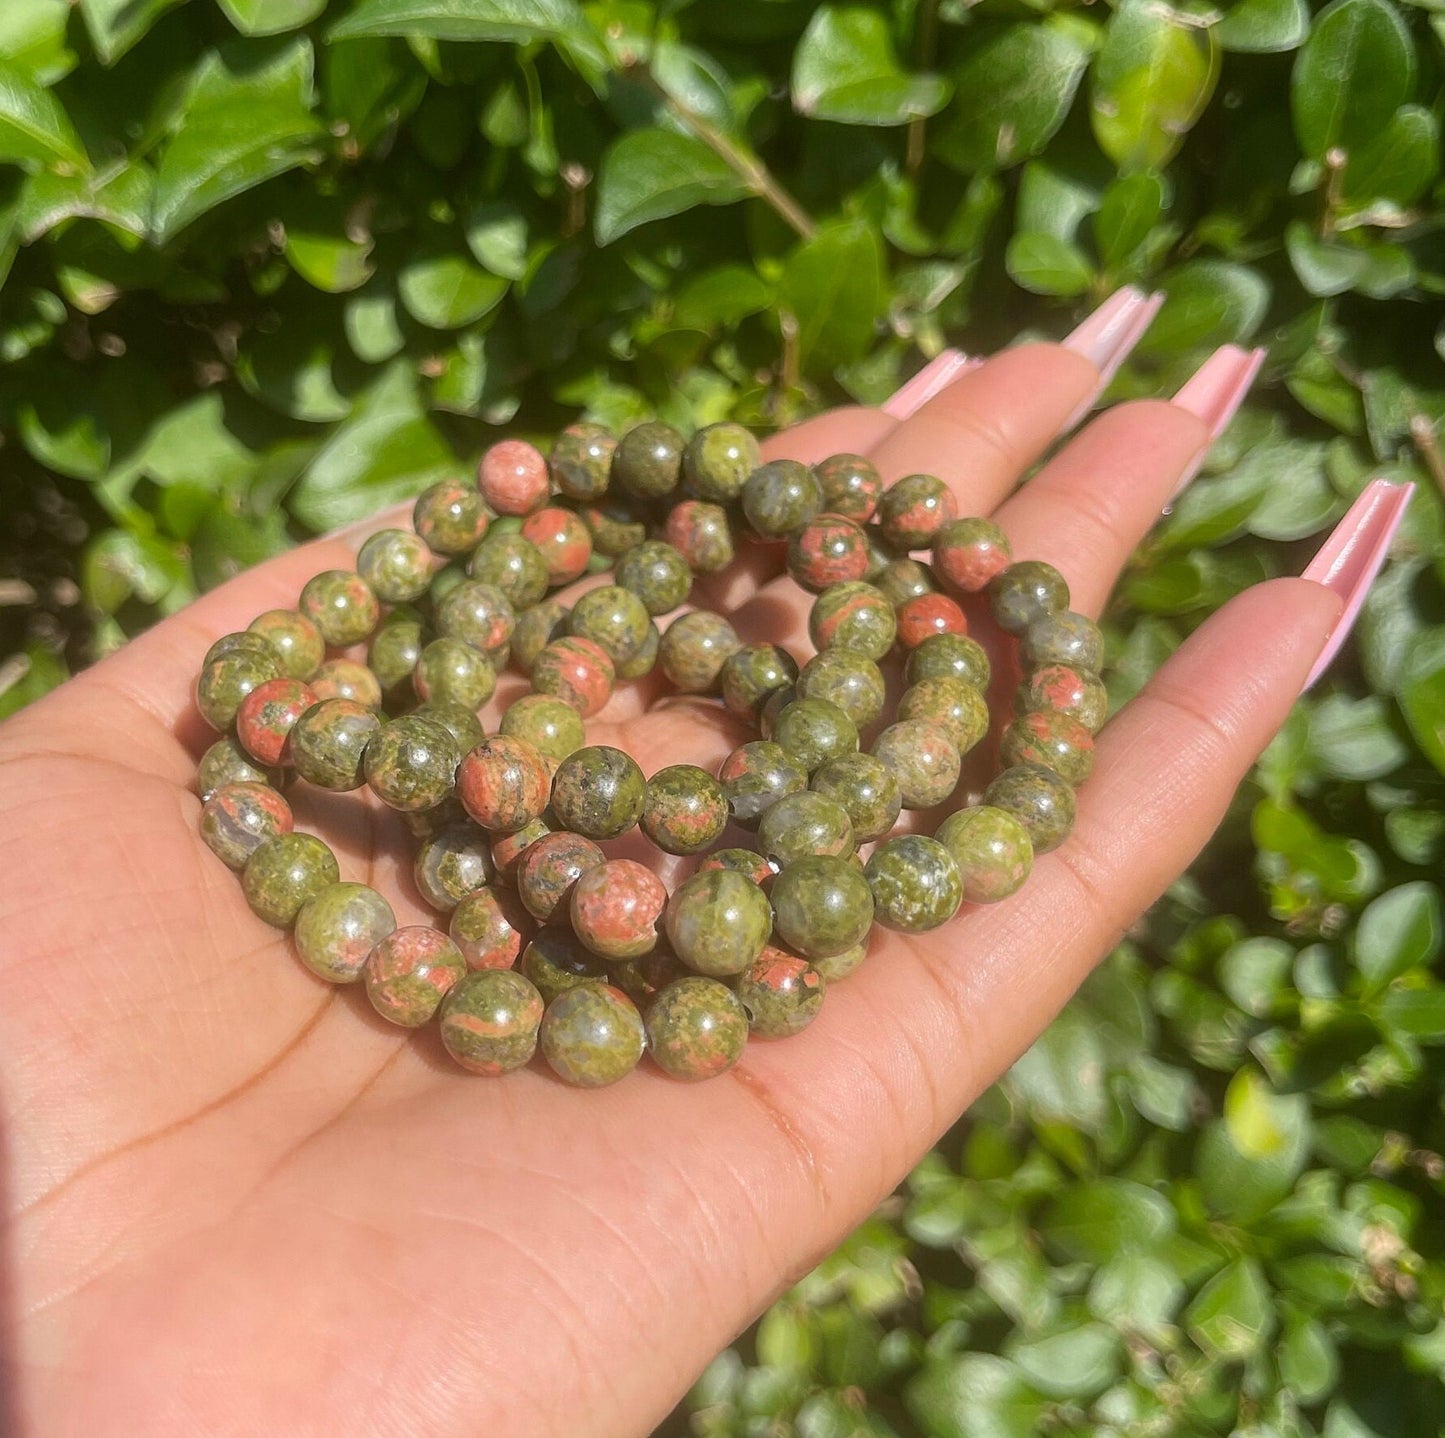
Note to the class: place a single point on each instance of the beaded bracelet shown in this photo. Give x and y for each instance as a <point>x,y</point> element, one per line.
<point>510,827</point>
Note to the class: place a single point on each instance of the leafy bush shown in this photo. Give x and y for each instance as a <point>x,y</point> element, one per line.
<point>271,263</point>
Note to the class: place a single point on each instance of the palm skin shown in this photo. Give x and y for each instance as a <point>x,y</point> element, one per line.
<point>236,1201</point>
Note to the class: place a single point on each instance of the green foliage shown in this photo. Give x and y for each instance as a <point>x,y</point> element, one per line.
<point>267,264</point>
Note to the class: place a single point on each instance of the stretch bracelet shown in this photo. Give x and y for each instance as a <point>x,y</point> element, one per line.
<point>550,943</point>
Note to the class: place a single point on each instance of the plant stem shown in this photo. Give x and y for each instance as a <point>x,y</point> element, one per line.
<point>1422,433</point>
<point>924,50</point>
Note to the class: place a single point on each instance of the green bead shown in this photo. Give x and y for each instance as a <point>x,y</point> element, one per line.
<point>536,628</point>
<point>490,1020</point>
<point>347,679</point>
<point>802,825</point>
<point>780,993</point>
<point>696,1028</point>
<point>225,762</point>
<point>397,564</point>
<point>599,792</point>
<point>479,613</point>
<point>915,883</point>
<point>644,977</point>
<point>452,863</point>
<point>487,930</point>
<point>509,849</point>
<point>949,656</point>
<point>701,533</point>
<point>411,763</point>
<point>450,517</point>
<point>242,640</point>
<point>1053,740</point>
<point>1026,592</point>
<point>657,574</point>
<point>514,564</point>
<point>902,579</point>
<point>645,659</point>
<point>551,726</point>
<point>613,617</point>
<point>967,553</point>
<point>747,862</point>
<point>686,809</point>
<point>992,851</point>
<point>342,605</point>
<point>445,580</point>
<point>959,707</point>
<point>718,460</point>
<point>773,706</point>
<point>548,872</point>
<point>450,671</point>
<point>283,873</point>
<point>923,758</point>
<point>853,615</point>
<point>823,905</point>
<point>814,731</point>
<point>847,679</point>
<point>581,460</point>
<point>1064,638</point>
<point>423,823</point>
<point>239,817</point>
<point>839,966</point>
<point>460,722</point>
<point>328,743</point>
<point>394,652</point>
<point>297,641</point>
<point>647,462</point>
<point>754,672</point>
<point>338,927</point>
<point>615,526</point>
<point>718,922</point>
<point>410,972</point>
<point>592,1035</point>
<point>1059,689</point>
<point>1039,799</point>
<point>694,649</point>
<point>866,788</point>
<point>556,961</point>
<point>851,486</point>
<point>913,509</point>
<point>780,497</point>
<point>755,776</point>
<point>226,681</point>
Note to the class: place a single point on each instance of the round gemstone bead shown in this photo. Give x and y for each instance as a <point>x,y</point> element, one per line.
<point>755,776</point>
<point>452,863</point>
<point>781,993</point>
<point>823,905</point>
<point>615,526</point>
<point>342,605</point>
<point>718,922</point>
<point>397,564</point>
<point>657,574</point>
<point>851,486</point>
<point>847,679</point>
<point>780,497</point>
<point>238,818</point>
<point>814,731</point>
<point>513,477</point>
<point>450,517</point>
<point>968,553</point>
<point>802,825</point>
<point>718,460</point>
<point>992,851</point>
<point>853,616</point>
<point>536,628</point>
<point>615,909</point>
<point>556,961</point>
<point>241,641</point>
<point>1061,690</point>
<point>647,462</point>
<point>423,823</point>
<point>1039,799</point>
<point>1053,740</point>
<point>490,1020</point>
<point>747,862</point>
<point>949,656</point>
<point>599,791</point>
<point>514,564</point>
<point>297,642</point>
<point>410,972</point>
<point>613,618</point>
<point>282,873</point>
<point>411,763</point>
<point>578,671</point>
<point>461,723</point>
<point>915,883</point>
<point>582,460</point>
<point>694,649</point>
<point>1026,592</point>
<point>645,659</point>
<point>550,869</point>
<point>754,672</point>
<point>902,579</point>
<point>839,966</point>
<point>450,671</point>
<point>445,580</point>
<point>503,784</point>
<point>700,532</point>
<point>867,791</point>
<point>959,707</point>
<point>551,726</point>
<point>486,930</point>
<point>923,759</point>
<point>328,743</point>
<point>563,541</point>
<point>914,509</point>
<point>394,652</point>
<point>927,615</point>
<point>686,809</point>
<point>1064,638</point>
<point>346,679</point>
<point>642,979</point>
<point>225,762</point>
<point>592,1035</point>
<point>507,849</point>
<point>478,613</point>
<point>266,716</point>
<point>828,550</point>
<point>228,680</point>
<point>696,1028</point>
<point>338,927</point>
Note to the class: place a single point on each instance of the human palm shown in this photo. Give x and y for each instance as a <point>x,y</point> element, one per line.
<point>237,1201</point>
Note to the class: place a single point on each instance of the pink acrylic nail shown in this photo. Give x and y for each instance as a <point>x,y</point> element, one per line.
<point>1214,393</point>
<point>934,377</point>
<point>1351,557</point>
<point>1108,336</point>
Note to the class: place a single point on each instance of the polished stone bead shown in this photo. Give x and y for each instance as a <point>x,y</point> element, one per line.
<point>592,1035</point>
<point>555,960</point>
<point>452,863</point>
<point>828,550</point>
<point>915,883</point>
<point>780,992</point>
<point>443,582</point>
<point>644,660</point>
<point>949,656</point>
<point>839,966</point>
<point>773,706</point>
<point>1064,638</point>
<point>902,579</point>
<point>1058,689</point>
<point>225,762</point>
<point>450,671</point>
<point>411,763</point>
<point>285,871</point>
<point>239,817</point>
<point>512,477</point>
<point>599,791</point>
<point>851,486</point>
<point>822,905</point>
<point>913,510</point>
<point>227,681</point>
<point>296,641</point>
<point>696,1029</point>
<point>397,564</point>
<point>478,613</point>
<point>507,849</point>
<point>1039,799</point>
<point>581,460</point>
<point>549,870</point>
<point>780,497</point>
<point>503,784</point>
<point>410,972</point>
<point>1053,740</point>
<point>267,715</point>
<point>240,641</point>
<point>615,908</point>
<point>536,628</point>
<point>514,564</point>
<point>657,574</point>
<point>866,788</point>
<point>338,927</point>
<point>743,861</point>
<point>490,1020</point>
<point>755,776</point>
<point>814,731</point>
<point>615,526</point>
<point>718,460</point>
<point>1026,592</point>
<point>450,517</point>
<point>647,463</point>
<point>487,929</point>
<point>460,722</point>
<point>700,532</point>
<point>959,707</point>
<point>394,652</point>
<point>612,617</point>
<point>346,679</point>
<point>804,824</point>
<point>992,850</point>
<point>578,671</point>
<point>752,674</point>
<point>718,921</point>
<point>551,726</point>
<point>968,553</point>
<point>923,758</point>
<point>686,809</point>
<point>342,605</point>
<point>927,615</point>
<point>853,616</point>
<point>563,541</point>
<point>421,824</point>
<point>643,978</point>
<point>694,649</point>
<point>328,743</point>
<point>847,679</point>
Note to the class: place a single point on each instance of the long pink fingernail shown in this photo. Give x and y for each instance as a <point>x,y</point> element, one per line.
<point>935,376</point>
<point>1351,557</point>
<point>1214,393</point>
<point>1107,337</point>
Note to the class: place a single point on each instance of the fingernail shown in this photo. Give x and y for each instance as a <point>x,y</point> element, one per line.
<point>1107,337</point>
<point>936,375</point>
<point>1351,557</point>
<point>1214,393</point>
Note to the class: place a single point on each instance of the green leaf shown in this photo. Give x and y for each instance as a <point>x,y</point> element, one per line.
<point>34,129</point>
<point>373,326</point>
<point>119,198</point>
<point>1255,971</point>
<point>833,285</point>
<point>1263,26</point>
<point>1130,209</point>
<point>39,671</point>
<point>1396,164</point>
<point>1355,70</point>
<point>845,69</point>
<point>1135,1291</point>
<point>1162,1093</point>
<point>1076,1363</point>
<point>445,290</point>
<point>721,296</point>
<point>1012,92</point>
<point>1354,738</point>
<point>116,25</point>
<point>1207,302</point>
<point>1422,701</point>
<point>1233,1315</point>
<point>1399,931</point>
<point>651,174</point>
<point>497,235</point>
<point>1099,1220</point>
<point>1151,82</point>
<point>271,17</point>
<point>32,38</point>
<point>1048,265</point>
<point>1420,1013</point>
<point>1061,1077</point>
<point>976,1395</point>
<point>516,21</point>
<point>65,431</point>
